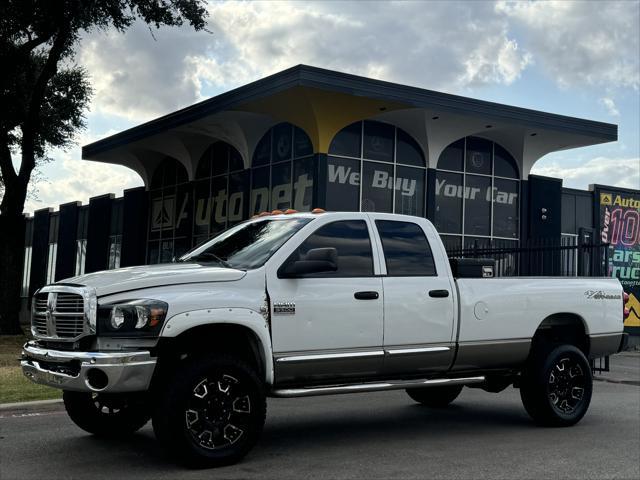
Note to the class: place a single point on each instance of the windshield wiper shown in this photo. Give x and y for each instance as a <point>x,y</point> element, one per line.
<point>209,255</point>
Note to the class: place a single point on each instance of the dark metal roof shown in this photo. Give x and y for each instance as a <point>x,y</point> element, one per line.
<point>306,76</point>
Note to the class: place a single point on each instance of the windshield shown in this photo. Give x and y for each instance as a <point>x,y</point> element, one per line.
<point>248,245</point>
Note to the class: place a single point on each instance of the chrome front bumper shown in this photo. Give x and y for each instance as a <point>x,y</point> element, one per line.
<point>112,372</point>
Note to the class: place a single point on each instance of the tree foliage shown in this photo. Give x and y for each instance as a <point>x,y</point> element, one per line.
<point>44,93</point>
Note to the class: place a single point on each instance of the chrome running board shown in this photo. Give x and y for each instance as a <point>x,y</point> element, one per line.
<point>373,387</point>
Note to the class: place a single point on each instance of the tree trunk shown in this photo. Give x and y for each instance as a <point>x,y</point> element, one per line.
<point>11,259</point>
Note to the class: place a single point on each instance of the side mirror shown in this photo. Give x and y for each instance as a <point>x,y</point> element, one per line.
<point>316,260</point>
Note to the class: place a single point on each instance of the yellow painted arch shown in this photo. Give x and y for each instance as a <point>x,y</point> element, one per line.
<point>321,114</point>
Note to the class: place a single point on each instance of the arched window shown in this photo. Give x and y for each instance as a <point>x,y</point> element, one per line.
<point>477,194</point>
<point>282,170</point>
<point>220,191</point>
<point>377,167</point>
<point>169,172</point>
<point>169,236</point>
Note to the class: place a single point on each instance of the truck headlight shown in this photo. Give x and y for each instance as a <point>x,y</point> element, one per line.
<point>139,318</point>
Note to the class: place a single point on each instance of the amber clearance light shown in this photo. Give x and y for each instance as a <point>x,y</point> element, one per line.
<point>625,310</point>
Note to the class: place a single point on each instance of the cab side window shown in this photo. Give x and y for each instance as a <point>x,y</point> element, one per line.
<point>406,249</point>
<point>351,240</point>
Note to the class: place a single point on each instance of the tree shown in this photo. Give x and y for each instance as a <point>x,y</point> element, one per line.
<point>43,97</point>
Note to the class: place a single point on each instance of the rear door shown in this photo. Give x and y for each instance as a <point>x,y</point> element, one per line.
<point>328,326</point>
<point>418,301</point>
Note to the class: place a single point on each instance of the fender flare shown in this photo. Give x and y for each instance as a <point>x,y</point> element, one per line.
<point>245,317</point>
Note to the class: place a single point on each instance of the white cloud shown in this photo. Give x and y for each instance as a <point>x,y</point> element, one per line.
<point>580,43</point>
<point>138,75</point>
<point>618,172</point>
<point>448,46</point>
<point>78,180</point>
<point>610,105</point>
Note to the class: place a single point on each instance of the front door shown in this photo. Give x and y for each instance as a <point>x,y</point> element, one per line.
<point>418,302</point>
<point>328,326</point>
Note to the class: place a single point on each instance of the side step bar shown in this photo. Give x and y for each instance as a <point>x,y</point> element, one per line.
<point>373,387</point>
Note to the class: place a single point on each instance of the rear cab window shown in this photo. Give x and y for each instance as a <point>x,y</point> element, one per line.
<point>406,250</point>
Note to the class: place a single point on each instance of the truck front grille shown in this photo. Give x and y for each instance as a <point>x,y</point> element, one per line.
<point>58,315</point>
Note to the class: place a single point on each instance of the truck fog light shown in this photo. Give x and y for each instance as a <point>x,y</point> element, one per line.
<point>97,379</point>
<point>117,318</point>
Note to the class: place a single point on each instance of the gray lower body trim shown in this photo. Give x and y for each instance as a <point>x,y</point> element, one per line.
<point>491,354</point>
<point>375,386</point>
<point>417,359</point>
<point>603,344</point>
<point>326,366</point>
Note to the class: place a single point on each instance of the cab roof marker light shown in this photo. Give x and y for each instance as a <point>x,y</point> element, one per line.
<point>277,212</point>
<point>289,211</point>
<point>318,210</point>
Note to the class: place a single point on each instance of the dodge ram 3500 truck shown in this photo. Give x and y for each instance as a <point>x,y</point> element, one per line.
<point>300,304</point>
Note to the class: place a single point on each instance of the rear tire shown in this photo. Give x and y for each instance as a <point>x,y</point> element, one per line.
<point>211,411</point>
<point>435,397</point>
<point>107,415</point>
<point>556,386</point>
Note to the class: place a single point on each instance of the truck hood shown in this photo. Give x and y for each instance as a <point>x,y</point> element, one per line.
<point>107,282</point>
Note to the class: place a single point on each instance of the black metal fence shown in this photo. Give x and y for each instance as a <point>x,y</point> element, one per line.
<point>565,257</point>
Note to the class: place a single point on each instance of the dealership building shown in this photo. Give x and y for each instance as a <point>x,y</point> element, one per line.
<point>307,138</point>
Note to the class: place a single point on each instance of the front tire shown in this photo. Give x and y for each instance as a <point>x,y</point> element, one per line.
<point>435,397</point>
<point>211,411</point>
<point>107,415</point>
<point>556,386</point>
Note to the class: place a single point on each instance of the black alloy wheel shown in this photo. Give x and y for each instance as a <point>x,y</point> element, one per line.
<point>107,415</point>
<point>566,385</point>
<point>556,385</point>
<point>210,412</point>
<point>218,412</point>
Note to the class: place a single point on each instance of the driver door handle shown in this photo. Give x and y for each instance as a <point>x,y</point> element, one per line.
<point>366,295</point>
<point>439,293</point>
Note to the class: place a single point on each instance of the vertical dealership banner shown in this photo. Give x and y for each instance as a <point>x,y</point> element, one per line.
<point>620,227</point>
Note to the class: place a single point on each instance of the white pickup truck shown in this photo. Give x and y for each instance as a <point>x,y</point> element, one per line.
<point>299,304</point>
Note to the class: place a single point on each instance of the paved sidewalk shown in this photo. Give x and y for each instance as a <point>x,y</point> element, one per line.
<point>624,368</point>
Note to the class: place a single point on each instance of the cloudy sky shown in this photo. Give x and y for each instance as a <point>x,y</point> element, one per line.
<point>572,58</point>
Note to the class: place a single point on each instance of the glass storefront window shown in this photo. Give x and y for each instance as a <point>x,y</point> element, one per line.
<point>392,169</point>
<point>52,256</point>
<point>448,211</point>
<point>288,181</point>
<point>477,207</point>
<point>504,165</point>
<point>452,158</point>
<point>378,141</point>
<point>347,142</point>
<point>478,156</point>
<point>408,151</point>
<point>343,184</point>
<point>484,191</point>
<point>377,187</point>
<point>170,209</point>
<point>505,208</point>
<point>410,190</point>
<point>115,250</point>
<point>81,256</point>
<point>26,272</point>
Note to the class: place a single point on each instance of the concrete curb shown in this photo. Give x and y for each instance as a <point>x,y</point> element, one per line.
<point>620,382</point>
<point>38,405</point>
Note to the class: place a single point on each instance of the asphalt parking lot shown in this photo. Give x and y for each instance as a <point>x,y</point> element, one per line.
<point>375,435</point>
